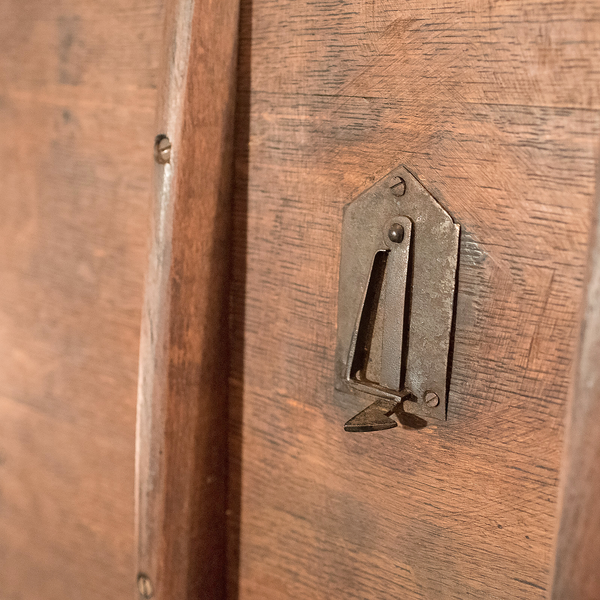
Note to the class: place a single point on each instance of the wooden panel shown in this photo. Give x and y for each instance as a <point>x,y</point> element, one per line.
<point>182,419</point>
<point>77,106</point>
<point>493,107</point>
<point>517,52</point>
<point>578,549</point>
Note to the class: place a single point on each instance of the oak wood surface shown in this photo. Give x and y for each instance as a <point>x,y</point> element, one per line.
<point>494,107</point>
<point>77,107</point>
<point>182,403</point>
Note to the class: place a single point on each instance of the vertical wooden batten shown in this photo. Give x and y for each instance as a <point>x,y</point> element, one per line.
<point>577,555</point>
<point>181,454</point>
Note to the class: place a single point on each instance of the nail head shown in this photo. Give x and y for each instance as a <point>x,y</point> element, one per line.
<point>144,586</point>
<point>432,399</point>
<point>398,186</point>
<point>162,149</point>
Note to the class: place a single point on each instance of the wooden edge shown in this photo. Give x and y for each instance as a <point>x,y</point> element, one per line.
<point>181,437</point>
<point>577,549</point>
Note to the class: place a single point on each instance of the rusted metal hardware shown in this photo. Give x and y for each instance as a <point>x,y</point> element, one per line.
<point>144,586</point>
<point>396,302</point>
<point>162,149</point>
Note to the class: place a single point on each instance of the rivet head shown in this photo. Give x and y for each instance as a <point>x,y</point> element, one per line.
<point>144,586</point>
<point>396,233</point>
<point>431,399</point>
<point>398,186</point>
<point>162,149</point>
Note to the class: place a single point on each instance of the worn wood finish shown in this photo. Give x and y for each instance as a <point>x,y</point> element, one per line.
<point>77,105</point>
<point>182,412</point>
<point>494,106</point>
<point>577,556</point>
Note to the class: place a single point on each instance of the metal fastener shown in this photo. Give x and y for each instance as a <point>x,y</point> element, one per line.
<point>144,586</point>
<point>396,233</point>
<point>162,149</point>
<point>431,399</point>
<point>398,186</point>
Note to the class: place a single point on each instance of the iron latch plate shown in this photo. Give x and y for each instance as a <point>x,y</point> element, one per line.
<point>397,297</point>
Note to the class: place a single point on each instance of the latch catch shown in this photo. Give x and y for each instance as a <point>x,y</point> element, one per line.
<point>396,301</point>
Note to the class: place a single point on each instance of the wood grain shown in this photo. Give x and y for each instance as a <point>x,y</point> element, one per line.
<point>494,107</point>
<point>77,105</point>
<point>182,410</point>
<point>578,549</point>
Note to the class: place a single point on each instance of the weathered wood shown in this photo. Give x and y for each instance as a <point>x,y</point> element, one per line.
<point>576,573</point>
<point>182,412</point>
<point>494,108</point>
<point>77,105</point>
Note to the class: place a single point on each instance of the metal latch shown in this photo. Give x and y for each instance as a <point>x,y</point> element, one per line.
<point>396,302</point>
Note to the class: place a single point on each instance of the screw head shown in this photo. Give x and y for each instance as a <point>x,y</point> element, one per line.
<point>431,399</point>
<point>144,586</point>
<point>396,233</point>
<point>162,149</point>
<point>398,186</point>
